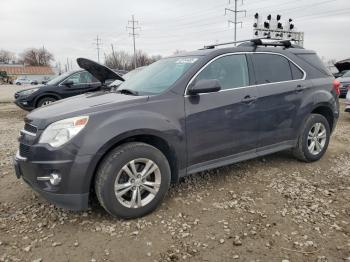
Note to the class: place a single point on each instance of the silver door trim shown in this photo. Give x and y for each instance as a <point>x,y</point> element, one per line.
<point>241,87</point>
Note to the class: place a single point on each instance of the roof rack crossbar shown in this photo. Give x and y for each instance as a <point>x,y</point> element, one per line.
<point>256,41</point>
<point>234,42</point>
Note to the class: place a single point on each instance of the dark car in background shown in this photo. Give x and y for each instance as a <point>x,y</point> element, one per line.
<point>66,85</point>
<point>344,84</point>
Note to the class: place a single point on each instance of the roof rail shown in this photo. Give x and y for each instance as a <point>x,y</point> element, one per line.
<point>257,42</point>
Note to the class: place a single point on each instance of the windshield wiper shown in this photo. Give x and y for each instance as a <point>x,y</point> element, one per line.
<point>127,92</point>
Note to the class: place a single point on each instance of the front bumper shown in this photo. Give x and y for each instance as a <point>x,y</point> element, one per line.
<point>68,194</point>
<point>24,104</point>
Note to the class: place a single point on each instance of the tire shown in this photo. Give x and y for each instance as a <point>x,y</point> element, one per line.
<point>111,173</point>
<point>18,83</point>
<point>307,149</point>
<point>45,101</point>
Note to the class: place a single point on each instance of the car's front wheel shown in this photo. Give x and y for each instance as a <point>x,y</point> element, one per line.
<point>45,101</point>
<point>132,180</point>
<point>313,140</point>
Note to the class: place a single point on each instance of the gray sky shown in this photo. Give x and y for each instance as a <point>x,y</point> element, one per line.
<point>68,27</point>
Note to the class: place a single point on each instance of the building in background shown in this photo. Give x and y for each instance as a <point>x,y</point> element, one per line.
<point>33,73</point>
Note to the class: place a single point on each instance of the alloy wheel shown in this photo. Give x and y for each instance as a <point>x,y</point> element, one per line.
<point>316,138</point>
<point>137,183</point>
<point>47,102</point>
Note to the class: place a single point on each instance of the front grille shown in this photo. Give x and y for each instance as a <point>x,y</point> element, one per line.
<point>23,150</point>
<point>30,128</point>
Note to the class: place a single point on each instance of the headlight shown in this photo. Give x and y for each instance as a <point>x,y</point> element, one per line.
<point>62,131</point>
<point>28,92</point>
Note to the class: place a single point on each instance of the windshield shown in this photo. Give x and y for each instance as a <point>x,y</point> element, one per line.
<point>159,76</point>
<point>347,74</point>
<point>58,79</point>
<point>127,76</point>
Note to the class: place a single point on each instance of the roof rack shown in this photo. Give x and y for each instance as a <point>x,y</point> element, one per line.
<point>257,42</point>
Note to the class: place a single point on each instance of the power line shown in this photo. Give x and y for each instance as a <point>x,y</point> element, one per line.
<point>236,12</point>
<point>133,28</point>
<point>98,47</point>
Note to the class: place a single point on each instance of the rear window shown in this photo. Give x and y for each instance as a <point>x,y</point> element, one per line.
<point>271,68</point>
<point>296,72</point>
<point>315,62</point>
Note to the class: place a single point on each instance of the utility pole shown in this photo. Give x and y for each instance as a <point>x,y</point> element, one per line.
<point>98,47</point>
<point>235,22</point>
<point>133,28</point>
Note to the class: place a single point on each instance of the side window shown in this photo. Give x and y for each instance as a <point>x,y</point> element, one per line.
<point>231,71</point>
<point>270,68</point>
<point>82,78</point>
<point>296,72</point>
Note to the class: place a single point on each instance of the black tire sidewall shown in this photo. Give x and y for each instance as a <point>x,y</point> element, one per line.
<point>112,165</point>
<point>313,119</point>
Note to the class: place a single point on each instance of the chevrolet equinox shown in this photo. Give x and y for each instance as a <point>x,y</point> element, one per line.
<point>181,115</point>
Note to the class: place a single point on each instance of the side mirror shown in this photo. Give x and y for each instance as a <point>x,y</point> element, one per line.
<point>68,83</point>
<point>204,86</point>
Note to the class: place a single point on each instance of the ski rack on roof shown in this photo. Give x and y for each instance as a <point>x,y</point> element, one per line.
<point>257,42</point>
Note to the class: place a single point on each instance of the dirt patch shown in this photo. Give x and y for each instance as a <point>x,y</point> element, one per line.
<point>268,209</point>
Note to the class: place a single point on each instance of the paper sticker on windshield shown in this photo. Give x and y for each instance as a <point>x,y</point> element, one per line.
<point>186,60</point>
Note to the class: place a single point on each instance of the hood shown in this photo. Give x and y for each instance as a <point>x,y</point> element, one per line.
<point>343,65</point>
<point>85,104</point>
<point>30,88</point>
<point>102,73</point>
<point>343,79</point>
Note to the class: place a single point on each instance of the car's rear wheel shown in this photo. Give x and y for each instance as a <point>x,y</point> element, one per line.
<point>313,140</point>
<point>45,101</point>
<point>132,180</point>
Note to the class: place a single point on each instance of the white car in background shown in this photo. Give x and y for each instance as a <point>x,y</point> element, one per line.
<point>24,81</point>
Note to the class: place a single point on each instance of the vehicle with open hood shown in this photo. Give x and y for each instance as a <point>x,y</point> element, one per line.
<point>91,78</point>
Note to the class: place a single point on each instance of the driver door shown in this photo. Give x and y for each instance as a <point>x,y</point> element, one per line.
<point>222,126</point>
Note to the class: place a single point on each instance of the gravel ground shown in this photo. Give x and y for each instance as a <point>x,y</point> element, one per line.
<point>7,92</point>
<point>268,209</point>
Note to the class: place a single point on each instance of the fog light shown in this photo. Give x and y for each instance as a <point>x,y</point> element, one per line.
<point>54,178</point>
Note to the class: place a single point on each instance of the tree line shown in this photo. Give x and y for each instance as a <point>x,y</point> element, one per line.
<point>124,60</point>
<point>116,59</point>
<point>30,56</point>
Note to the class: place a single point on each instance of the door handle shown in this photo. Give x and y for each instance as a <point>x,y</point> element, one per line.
<point>299,89</point>
<point>248,99</point>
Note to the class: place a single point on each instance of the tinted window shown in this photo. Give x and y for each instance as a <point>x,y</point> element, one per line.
<point>271,68</point>
<point>315,62</point>
<point>82,78</point>
<point>231,71</point>
<point>296,72</point>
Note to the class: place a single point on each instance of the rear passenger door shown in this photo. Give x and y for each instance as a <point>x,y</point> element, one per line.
<point>280,85</point>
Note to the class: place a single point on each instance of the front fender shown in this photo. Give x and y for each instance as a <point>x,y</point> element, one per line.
<point>118,127</point>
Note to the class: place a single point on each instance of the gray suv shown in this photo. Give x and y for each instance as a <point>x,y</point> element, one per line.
<point>181,115</point>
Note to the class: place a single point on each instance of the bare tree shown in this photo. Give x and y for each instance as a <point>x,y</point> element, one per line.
<point>36,57</point>
<point>124,60</point>
<point>6,56</point>
<point>178,52</point>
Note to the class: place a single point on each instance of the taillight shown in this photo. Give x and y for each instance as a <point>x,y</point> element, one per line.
<point>336,86</point>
